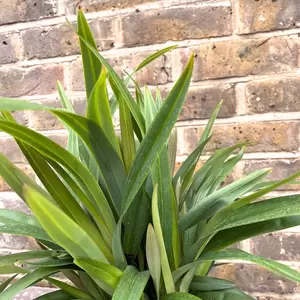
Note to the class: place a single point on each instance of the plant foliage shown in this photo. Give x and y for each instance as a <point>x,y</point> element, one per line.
<point>112,215</point>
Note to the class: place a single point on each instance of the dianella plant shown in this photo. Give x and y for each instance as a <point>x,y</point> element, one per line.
<point>112,216</point>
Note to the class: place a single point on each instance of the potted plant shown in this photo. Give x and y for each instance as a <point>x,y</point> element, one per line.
<point>113,217</point>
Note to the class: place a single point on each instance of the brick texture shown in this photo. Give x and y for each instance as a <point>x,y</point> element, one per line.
<point>17,82</point>
<point>281,168</point>
<point>145,28</point>
<point>255,279</point>
<point>280,246</point>
<point>99,5</point>
<point>277,95</point>
<point>244,57</point>
<point>9,48</point>
<point>267,15</point>
<point>23,11</point>
<point>265,136</point>
<point>246,54</point>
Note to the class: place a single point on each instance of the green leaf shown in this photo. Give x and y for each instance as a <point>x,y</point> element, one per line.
<point>172,150</point>
<point>206,208</point>
<point>100,271</point>
<point>16,178</point>
<point>131,285</point>
<point>166,271</point>
<point>118,253</point>
<point>60,193</point>
<point>154,56</point>
<point>230,294</point>
<point>98,110</point>
<point>256,212</point>
<point>153,258</point>
<point>91,65</point>
<point>6,283</point>
<point>18,223</point>
<point>12,258</point>
<point>127,134</point>
<point>167,208</point>
<point>81,197</point>
<point>135,222</point>
<point>108,160</point>
<point>236,254</point>
<point>73,143</point>
<point>180,296</point>
<point>11,104</point>
<point>11,269</point>
<point>50,262</point>
<point>156,136</point>
<point>117,84</point>
<point>230,236</point>
<point>63,230</point>
<point>61,295</point>
<point>82,175</point>
<point>75,292</point>
<point>27,281</point>
<point>205,284</point>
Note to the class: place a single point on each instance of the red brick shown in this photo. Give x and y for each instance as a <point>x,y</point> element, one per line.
<point>255,279</point>
<point>267,136</point>
<point>275,95</point>
<point>17,82</point>
<point>277,246</point>
<point>267,15</point>
<point>22,11</point>
<point>153,27</point>
<point>243,57</point>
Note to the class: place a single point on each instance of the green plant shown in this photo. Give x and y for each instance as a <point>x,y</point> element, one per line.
<point>111,217</point>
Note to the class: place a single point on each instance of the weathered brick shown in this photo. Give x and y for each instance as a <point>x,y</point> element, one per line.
<point>99,5</point>
<point>16,82</point>
<point>255,279</point>
<point>60,40</point>
<point>280,169</point>
<point>151,27</point>
<point>158,72</point>
<point>201,102</point>
<point>243,57</point>
<point>52,41</point>
<point>25,168</point>
<point>9,48</point>
<point>276,95</point>
<point>10,149</point>
<point>266,136</point>
<point>267,15</point>
<point>21,11</point>
<point>278,246</point>
<point>44,120</point>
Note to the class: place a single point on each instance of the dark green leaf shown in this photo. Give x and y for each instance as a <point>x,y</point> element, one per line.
<point>204,284</point>
<point>230,294</point>
<point>91,65</point>
<point>131,285</point>
<point>156,136</point>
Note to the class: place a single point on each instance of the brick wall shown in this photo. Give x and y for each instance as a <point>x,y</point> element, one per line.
<point>247,53</point>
